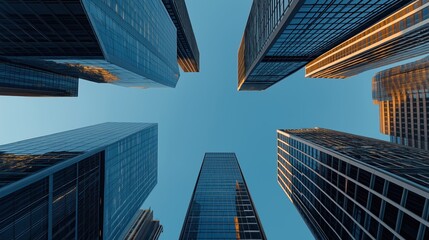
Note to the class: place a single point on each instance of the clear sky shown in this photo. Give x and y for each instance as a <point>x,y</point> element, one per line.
<point>205,113</point>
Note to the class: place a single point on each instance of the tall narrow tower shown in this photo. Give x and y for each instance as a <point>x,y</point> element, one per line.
<point>221,206</point>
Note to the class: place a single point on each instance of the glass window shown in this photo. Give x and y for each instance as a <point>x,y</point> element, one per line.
<point>415,203</point>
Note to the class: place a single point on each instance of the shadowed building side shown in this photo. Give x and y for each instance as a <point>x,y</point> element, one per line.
<point>283,36</point>
<point>402,94</point>
<point>351,187</point>
<point>400,36</point>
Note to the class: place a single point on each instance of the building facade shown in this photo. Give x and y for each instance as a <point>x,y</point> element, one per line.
<point>221,206</point>
<point>144,227</point>
<point>86,183</point>
<point>22,80</point>
<point>352,187</point>
<point>129,43</point>
<point>402,35</point>
<point>282,36</point>
<point>402,94</point>
<point>188,54</point>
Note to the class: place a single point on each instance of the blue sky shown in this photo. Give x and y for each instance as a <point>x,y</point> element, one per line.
<point>205,113</point>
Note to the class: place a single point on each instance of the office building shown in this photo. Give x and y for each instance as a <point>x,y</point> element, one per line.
<point>402,35</point>
<point>129,43</point>
<point>144,227</point>
<point>402,94</point>
<point>21,80</point>
<point>352,187</point>
<point>188,54</point>
<point>86,183</point>
<point>283,36</point>
<point>221,206</point>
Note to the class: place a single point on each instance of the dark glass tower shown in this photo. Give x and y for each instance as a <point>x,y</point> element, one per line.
<point>86,183</point>
<point>282,36</point>
<point>400,36</point>
<point>221,206</point>
<point>352,187</point>
<point>130,43</point>
<point>188,54</point>
<point>22,80</point>
<point>402,94</point>
<point>144,227</point>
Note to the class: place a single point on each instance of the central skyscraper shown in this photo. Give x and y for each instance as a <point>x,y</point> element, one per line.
<point>282,36</point>
<point>221,206</point>
<point>86,183</point>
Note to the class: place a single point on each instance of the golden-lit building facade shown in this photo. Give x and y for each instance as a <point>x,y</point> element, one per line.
<point>400,36</point>
<point>403,98</point>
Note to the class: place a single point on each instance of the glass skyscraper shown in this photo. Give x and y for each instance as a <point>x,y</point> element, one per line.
<point>402,94</point>
<point>86,183</point>
<point>144,227</point>
<point>21,80</point>
<point>221,206</point>
<point>400,36</point>
<point>129,43</point>
<point>352,187</point>
<point>282,36</point>
<point>188,54</point>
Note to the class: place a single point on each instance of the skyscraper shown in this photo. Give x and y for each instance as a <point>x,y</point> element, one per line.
<point>85,183</point>
<point>144,227</point>
<point>188,54</point>
<point>402,94</point>
<point>400,36</point>
<point>221,206</point>
<point>130,43</point>
<point>352,187</point>
<point>21,80</point>
<point>282,36</point>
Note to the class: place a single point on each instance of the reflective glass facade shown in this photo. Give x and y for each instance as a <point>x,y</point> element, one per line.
<point>130,43</point>
<point>72,184</point>
<point>402,94</point>
<point>21,80</point>
<point>281,36</point>
<point>399,36</point>
<point>188,54</point>
<point>144,227</point>
<point>221,206</point>
<point>352,187</point>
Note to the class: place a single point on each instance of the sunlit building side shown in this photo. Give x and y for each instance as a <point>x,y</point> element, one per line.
<point>86,183</point>
<point>282,36</point>
<point>400,36</point>
<point>129,43</point>
<point>351,187</point>
<point>402,94</point>
<point>221,206</point>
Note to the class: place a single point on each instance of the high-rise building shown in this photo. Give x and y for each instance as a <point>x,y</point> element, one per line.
<point>402,94</point>
<point>188,54</point>
<point>221,206</point>
<point>144,227</point>
<point>282,36</point>
<point>402,35</point>
<point>129,43</point>
<point>352,187</point>
<point>21,80</point>
<point>86,183</point>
